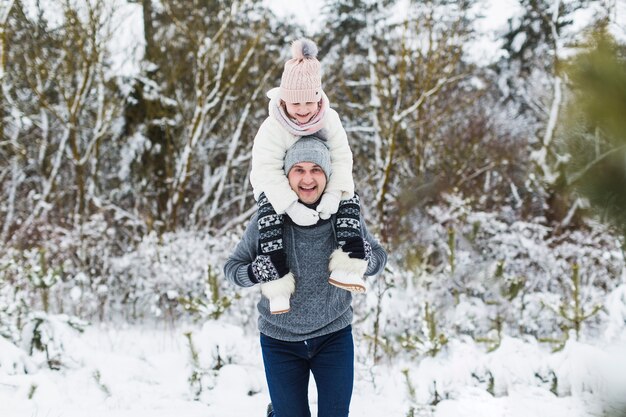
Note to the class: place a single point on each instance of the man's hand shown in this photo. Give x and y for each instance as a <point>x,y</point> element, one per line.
<point>357,247</point>
<point>266,268</point>
<point>277,283</point>
<point>349,263</point>
<point>302,215</point>
<point>329,204</point>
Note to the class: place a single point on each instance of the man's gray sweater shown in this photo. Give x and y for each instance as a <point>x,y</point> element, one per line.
<point>317,307</point>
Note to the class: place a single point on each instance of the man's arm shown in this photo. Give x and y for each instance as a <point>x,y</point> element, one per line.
<point>379,255</point>
<point>236,267</point>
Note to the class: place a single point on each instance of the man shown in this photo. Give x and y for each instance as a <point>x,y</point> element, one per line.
<point>315,335</point>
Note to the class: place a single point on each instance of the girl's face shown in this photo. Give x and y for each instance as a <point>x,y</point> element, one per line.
<point>302,112</point>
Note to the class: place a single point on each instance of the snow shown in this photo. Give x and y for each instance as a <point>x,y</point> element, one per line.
<point>213,367</point>
<point>618,24</point>
<point>486,47</point>
<point>616,307</point>
<point>125,366</point>
<point>13,360</point>
<point>145,370</point>
<point>134,146</point>
<point>50,8</point>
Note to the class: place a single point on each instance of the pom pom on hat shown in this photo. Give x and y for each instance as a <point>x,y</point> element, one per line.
<point>302,79</point>
<point>303,48</point>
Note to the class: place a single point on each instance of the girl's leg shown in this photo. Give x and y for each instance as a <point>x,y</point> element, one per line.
<point>270,227</point>
<point>348,263</point>
<point>332,365</point>
<point>287,373</point>
<point>276,280</point>
<point>348,219</point>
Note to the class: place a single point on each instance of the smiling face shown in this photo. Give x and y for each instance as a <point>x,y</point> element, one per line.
<point>302,112</point>
<point>308,181</point>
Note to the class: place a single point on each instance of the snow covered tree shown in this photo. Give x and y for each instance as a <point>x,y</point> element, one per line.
<point>5,9</point>
<point>532,85</point>
<point>56,73</point>
<point>196,106</point>
<point>8,207</point>
<point>410,101</point>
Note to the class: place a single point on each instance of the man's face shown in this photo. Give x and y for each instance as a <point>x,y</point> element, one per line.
<point>308,181</point>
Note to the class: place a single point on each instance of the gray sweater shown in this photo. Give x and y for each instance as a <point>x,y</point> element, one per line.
<point>317,307</point>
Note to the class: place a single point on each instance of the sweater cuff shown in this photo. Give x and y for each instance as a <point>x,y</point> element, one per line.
<point>376,263</point>
<point>250,275</point>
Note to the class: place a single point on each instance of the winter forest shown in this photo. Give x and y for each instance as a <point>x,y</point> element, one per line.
<point>490,159</point>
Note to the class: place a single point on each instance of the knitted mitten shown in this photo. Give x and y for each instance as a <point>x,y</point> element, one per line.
<point>270,268</point>
<point>349,262</point>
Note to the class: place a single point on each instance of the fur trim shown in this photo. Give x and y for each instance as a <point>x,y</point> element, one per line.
<point>303,48</point>
<point>340,261</point>
<point>281,287</point>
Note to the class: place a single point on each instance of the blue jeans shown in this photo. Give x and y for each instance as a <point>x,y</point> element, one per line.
<point>288,365</point>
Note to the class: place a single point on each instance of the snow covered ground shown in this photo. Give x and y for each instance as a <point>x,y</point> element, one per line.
<point>145,371</point>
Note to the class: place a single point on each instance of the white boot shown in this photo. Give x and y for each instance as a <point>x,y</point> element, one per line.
<point>278,292</point>
<point>346,272</point>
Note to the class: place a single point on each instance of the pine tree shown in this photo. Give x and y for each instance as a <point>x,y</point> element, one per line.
<point>595,131</point>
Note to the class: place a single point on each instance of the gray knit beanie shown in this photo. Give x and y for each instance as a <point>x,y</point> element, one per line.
<point>309,149</point>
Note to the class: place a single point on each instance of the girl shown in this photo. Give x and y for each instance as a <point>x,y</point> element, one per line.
<point>300,108</point>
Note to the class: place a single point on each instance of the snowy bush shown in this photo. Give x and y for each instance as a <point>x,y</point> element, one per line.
<point>166,275</point>
<point>489,275</point>
<point>215,346</point>
<point>52,339</point>
<point>26,282</point>
<point>13,360</point>
<point>65,273</point>
<point>92,272</point>
<point>616,321</point>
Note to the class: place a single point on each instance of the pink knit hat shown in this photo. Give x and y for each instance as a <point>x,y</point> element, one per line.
<point>302,79</point>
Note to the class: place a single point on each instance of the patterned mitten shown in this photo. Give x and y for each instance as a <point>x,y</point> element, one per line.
<point>349,263</point>
<point>270,267</point>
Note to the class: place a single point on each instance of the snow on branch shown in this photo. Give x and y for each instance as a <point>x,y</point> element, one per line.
<point>554,113</point>
<point>5,9</point>
<point>235,143</point>
<point>578,175</point>
<point>442,81</point>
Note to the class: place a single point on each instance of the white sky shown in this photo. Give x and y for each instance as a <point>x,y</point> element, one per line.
<point>486,47</point>
<point>127,45</point>
<point>306,12</point>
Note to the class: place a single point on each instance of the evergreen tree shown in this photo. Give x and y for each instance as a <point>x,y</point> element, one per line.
<point>595,131</point>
